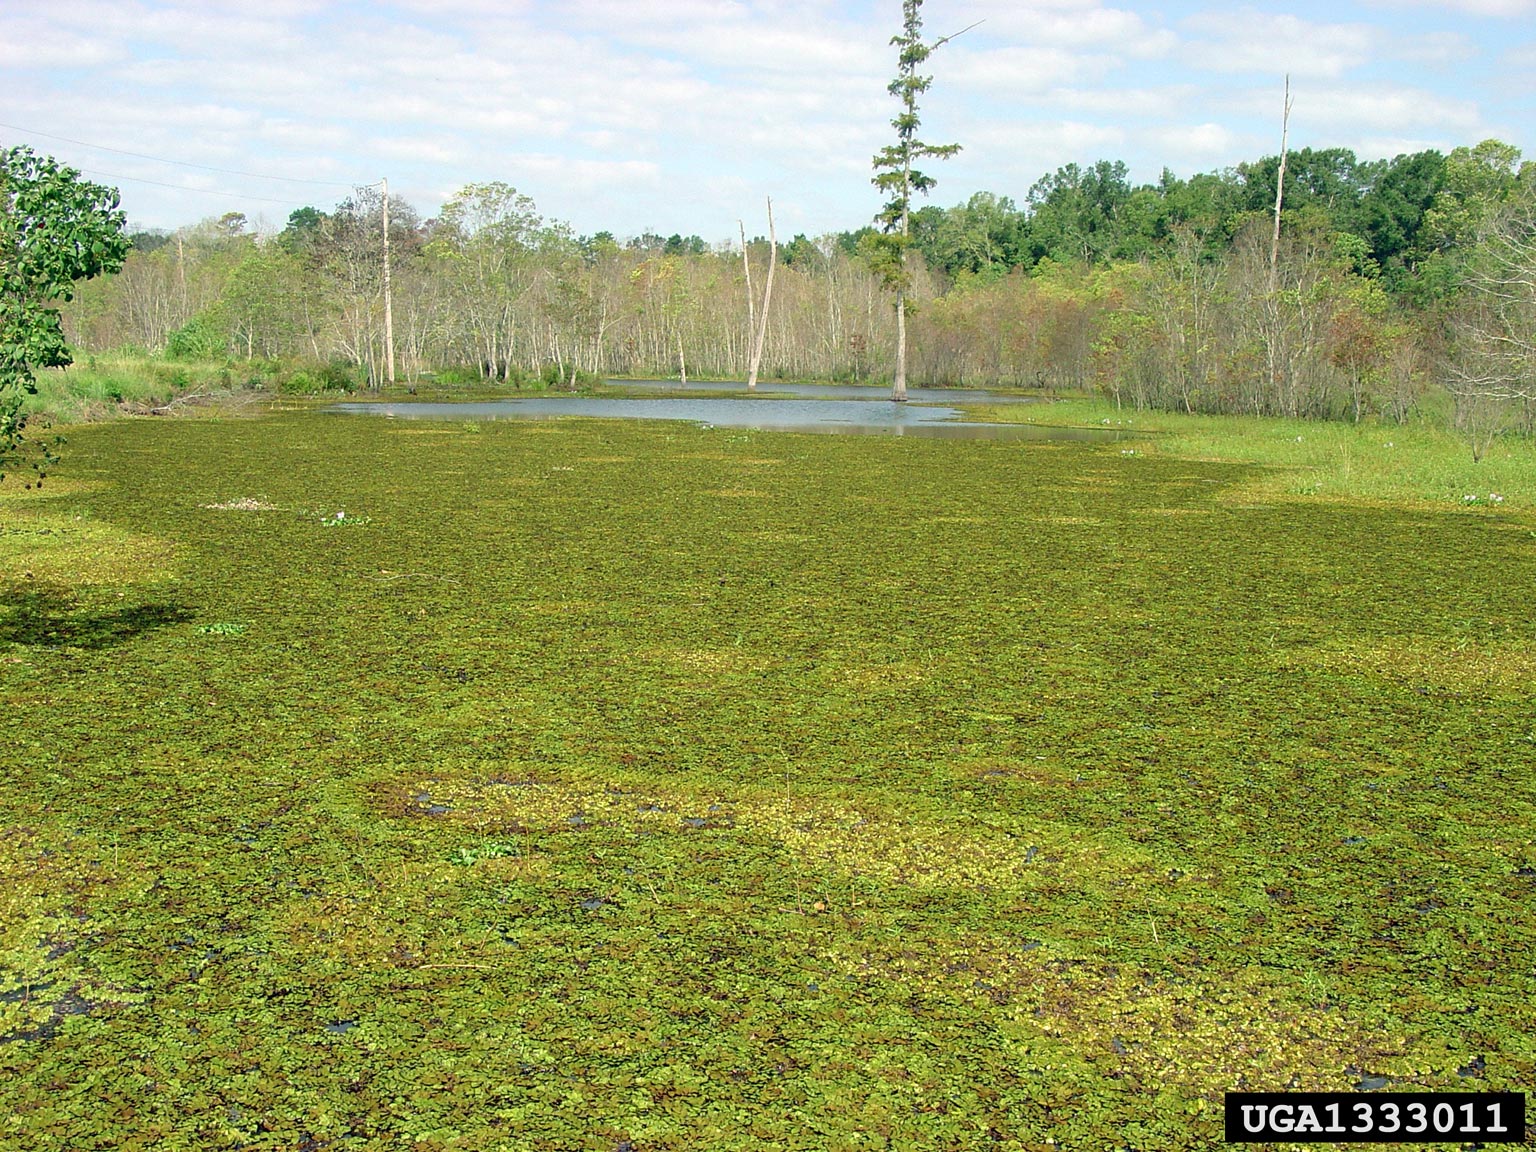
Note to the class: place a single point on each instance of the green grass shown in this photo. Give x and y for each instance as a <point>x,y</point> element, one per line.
<point>98,386</point>
<point>615,784</point>
<point>1374,460</point>
<point>1421,461</point>
<point>101,386</point>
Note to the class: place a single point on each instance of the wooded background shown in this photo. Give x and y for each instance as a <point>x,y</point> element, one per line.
<point>1401,286</point>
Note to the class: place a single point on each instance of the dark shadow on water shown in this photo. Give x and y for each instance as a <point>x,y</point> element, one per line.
<point>70,1004</point>
<point>52,618</point>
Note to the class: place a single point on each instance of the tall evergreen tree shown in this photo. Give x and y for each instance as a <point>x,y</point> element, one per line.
<point>895,176</point>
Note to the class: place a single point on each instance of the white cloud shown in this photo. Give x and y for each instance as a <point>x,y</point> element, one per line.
<point>1084,25</point>
<point>1169,101</point>
<point>304,135</point>
<point>1194,145</point>
<point>1521,56</point>
<point>479,9</point>
<point>1386,147</point>
<point>1017,71</point>
<point>32,43</point>
<point>1382,110</point>
<point>723,37</point>
<point>604,140</point>
<point>619,113</point>
<point>1041,147</point>
<point>1436,49</point>
<point>758,47</point>
<point>1247,40</point>
<point>429,149</point>
<point>1498,8</point>
<point>564,169</point>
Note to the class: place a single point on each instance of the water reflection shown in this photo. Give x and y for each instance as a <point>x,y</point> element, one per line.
<point>833,391</point>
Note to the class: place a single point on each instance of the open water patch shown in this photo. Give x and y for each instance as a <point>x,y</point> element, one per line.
<point>852,417</point>
<point>770,390</point>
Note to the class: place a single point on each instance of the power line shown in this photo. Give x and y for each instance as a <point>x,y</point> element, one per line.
<point>181,163</point>
<point>184,188</point>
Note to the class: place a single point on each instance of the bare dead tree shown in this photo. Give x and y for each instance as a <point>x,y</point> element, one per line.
<point>762,329</point>
<point>389,306</point>
<point>1492,367</point>
<point>746,266</point>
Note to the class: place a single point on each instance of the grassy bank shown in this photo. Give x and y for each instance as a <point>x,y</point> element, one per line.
<point>592,785</point>
<point>1417,462</point>
<point>98,387</point>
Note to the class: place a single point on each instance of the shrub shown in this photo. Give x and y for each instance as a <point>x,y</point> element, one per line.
<point>336,376</point>
<point>339,376</point>
<point>299,381</point>
<point>176,378</point>
<point>197,339</point>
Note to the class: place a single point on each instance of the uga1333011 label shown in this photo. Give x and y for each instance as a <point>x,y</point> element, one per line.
<point>1375,1117</point>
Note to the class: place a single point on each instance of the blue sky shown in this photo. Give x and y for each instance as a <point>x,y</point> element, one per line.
<point>681,115</point>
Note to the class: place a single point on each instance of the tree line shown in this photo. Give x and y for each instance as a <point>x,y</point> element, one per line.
<point>1400,286</point>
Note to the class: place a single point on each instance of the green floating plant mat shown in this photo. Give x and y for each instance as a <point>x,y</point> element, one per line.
<point>641,786</point>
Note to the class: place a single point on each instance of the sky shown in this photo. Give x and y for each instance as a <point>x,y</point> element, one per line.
<point>683,115</point>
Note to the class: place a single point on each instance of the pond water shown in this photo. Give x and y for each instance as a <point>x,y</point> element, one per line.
<point>809,408</point>
<point>770,390</point>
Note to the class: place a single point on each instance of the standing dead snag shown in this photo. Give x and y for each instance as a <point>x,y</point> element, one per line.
<point>1491,366</point>
<point>389,311</point>
<point>746,267</point>
<point>761,336</point>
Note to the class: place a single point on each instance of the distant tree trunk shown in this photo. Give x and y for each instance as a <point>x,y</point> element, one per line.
<point>746,267</point>
<point>895,174</point>
<point>602,331</point>
<point>682,362</point>
<point>181,274</point>
<point>899,385</point>
<point>389,312</point>
<point>762,329</point>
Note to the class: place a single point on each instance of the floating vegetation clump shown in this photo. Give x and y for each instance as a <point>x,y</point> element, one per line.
<point>243,504</point>
<point>223,628</point>
<point>654,787</point>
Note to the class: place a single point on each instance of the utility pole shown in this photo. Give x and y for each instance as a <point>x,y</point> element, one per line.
<point>389,316</point>
<point>1285,129</point>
